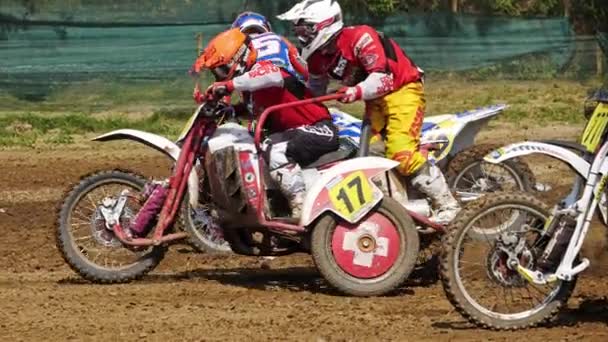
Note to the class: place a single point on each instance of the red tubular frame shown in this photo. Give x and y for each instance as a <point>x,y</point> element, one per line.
<point>177,186</point>
<point>179,180</point>
<point>257,139</point>
<point>262,219</point>
<point>265,113</point>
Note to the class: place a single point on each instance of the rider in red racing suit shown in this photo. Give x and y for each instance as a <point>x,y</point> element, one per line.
<point>299,135</point>
<point>375,69</point>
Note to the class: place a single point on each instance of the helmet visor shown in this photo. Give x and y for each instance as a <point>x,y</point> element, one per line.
<point>222,72</point>
<point>305,32</point>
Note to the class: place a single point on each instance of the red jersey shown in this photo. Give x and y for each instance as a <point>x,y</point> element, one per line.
<point>270,85</point>
<point>362,51</point>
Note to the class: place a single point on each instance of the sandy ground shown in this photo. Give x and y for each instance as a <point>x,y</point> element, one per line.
<point>196,297</point>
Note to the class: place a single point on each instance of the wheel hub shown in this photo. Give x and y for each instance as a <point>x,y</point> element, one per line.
<point>502,270</point>
<point>368,249</point>
<point>209,228</point>
<point>367,243</point>
<point>104,236</point>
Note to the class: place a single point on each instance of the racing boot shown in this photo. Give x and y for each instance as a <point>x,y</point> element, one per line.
<point>291,181</point>
<point>430,181</point>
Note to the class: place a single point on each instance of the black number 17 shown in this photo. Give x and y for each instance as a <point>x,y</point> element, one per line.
<point>356,182</point>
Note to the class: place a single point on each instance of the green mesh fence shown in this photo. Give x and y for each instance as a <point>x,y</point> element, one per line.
<point>54,43</point>
<point>602,39</point>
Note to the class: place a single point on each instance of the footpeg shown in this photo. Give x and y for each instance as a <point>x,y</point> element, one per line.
<point>536,277</point>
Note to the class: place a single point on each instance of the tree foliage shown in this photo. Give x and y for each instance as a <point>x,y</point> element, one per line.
<point>587,15</point>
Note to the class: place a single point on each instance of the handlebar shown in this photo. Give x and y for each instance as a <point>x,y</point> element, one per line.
<point>267,111</point>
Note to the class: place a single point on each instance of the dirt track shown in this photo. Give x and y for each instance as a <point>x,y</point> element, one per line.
<point>197,297</point>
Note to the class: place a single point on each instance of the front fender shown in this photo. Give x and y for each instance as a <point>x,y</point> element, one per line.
<point>161,144</point>
<point>318,198</point>
<point>577,163</point>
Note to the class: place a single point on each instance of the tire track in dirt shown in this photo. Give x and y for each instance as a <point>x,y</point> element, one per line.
<point>200,297</point>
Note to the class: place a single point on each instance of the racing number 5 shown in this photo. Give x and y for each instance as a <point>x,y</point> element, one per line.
<point>267,46</point>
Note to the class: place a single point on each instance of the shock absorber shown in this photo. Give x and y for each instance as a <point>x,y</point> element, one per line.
<point>552,255</point>
<point>154,195</point>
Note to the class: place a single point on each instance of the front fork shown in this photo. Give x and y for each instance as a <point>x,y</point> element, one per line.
<point>177,185</point>
<point>569,201</point>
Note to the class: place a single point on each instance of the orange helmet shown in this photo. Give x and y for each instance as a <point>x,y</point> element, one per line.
<point>227,55</point>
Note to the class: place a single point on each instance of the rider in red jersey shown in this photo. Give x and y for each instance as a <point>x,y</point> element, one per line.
<point>373,68</point>
<point>298,135</point>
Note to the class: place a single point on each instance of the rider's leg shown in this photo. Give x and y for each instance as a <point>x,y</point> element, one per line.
<point>303,145</point>
<point>285,172</point>
<point>290,180</point>
<point>401,115</point>
<point>429,180</point>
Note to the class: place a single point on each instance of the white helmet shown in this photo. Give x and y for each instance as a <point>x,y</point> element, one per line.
<point>316,22</point>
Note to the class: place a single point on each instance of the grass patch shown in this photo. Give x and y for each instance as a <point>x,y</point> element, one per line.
<point>32,129</point>
<point>163,108</point>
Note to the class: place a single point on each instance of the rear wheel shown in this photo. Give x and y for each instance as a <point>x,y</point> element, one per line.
<point>204,234</point>
<point>87,245</point>
<point>469,176</point>
<point>370,258</point>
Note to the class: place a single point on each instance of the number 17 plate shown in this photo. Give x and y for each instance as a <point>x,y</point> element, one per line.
<point>351,195</point>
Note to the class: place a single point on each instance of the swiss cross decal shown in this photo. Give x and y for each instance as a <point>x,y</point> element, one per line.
<point>365,258</point>
<point>368,249</point>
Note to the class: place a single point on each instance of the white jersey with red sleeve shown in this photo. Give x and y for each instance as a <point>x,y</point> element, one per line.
<point>264,74</point>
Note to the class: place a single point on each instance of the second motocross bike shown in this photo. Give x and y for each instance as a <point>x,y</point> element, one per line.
<point>522,271</point>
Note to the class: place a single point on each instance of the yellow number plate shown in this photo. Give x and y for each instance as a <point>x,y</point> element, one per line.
<point>351,194</point>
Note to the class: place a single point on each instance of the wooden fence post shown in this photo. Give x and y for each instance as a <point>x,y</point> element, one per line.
<point>199,43</point>
<point>599,60</point>
<point>454,6</point>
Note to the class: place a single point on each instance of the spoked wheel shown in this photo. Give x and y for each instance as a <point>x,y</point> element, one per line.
<point>205,235</point>
<point>469,176</point>
<point>86,243</point>
<point>369,258</point>
<point>477,277</point>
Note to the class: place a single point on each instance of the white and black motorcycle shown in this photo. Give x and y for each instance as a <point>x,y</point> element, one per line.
<point>447,140</point>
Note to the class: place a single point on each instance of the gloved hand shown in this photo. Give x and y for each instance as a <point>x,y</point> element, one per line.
<point>219,89</point>
<point>351,94</point>
<point>197,95</point>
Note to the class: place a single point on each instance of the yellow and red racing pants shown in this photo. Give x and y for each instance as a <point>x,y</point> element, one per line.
<point>397,117</point>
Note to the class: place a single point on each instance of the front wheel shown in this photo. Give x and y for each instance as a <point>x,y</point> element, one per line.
<point>478,277</point>
<point>370,258</point>
<point>87,245</point>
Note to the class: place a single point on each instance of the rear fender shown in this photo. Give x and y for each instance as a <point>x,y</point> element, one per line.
<point>459,129</point>
<point>346,189</point>
<point>577,163</point>
<point>161,144</point>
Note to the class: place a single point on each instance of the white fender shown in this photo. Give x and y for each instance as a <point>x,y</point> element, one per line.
<point>357,164</point>
<point>160,144</point>
<point>531,147</point>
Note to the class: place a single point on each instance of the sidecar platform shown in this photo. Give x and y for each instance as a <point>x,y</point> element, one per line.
<point>346,150</point>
